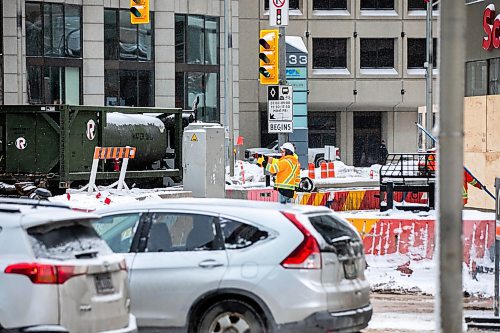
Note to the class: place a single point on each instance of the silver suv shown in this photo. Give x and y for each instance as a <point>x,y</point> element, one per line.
<point>220,265</point>
<point>57,275</point>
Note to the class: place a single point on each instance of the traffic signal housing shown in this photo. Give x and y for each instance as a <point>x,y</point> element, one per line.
<point>139,11</point>
<point>269,56</point>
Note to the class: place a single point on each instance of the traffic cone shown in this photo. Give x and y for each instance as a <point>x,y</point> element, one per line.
<point>331,170</point>
<point>324,170</point>
<point>311,171</point>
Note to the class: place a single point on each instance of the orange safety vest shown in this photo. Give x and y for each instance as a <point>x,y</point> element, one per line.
<point>468,179</point>
<point>287,170</point>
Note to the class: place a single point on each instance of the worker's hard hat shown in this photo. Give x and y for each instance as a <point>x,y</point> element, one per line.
<point>289,146</point>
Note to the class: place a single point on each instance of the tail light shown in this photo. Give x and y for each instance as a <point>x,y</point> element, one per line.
<point>46,274</point>
<point>307,255</point>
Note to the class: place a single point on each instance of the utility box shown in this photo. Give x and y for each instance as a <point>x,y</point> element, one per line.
<point>203,160</point>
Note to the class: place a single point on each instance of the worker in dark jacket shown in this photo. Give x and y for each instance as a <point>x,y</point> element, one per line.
<point>382,153</point>
<point>287,170</point>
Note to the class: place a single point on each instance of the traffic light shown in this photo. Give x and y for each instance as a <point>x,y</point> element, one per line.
<point>139,11</point>
<point>268,55</point>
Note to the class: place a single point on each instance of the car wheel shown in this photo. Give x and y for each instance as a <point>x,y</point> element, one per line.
<point>231,316</point>
<point>320,159</point>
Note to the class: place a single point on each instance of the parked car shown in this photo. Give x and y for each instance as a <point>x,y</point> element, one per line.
<point>314,155</point>
<point>56,274</point>
<point>222,265</point>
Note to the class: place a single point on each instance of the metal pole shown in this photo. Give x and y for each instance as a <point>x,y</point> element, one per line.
<point>228,84</point>
<point>282,137</point>
<point>19,16</point>
<point>449,305</point>
<point>428,82</point>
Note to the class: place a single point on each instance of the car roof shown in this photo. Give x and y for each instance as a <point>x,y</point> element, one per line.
<point>29,213</point>
<point>212,204</point>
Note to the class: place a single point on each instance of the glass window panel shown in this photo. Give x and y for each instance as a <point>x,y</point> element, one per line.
<point>238,235</point>
<point>377,53</point>
<point>494,88</point>
<point>128,37</point>
<point>34,84</point>
<point>53,85</point>
<point>34,32</point>
<point>111,39</point>
<point>211,97</point>
<point>196,93</point>
<point>477,78</point>
<point>180,39</point>
<point>146,88</point>
<point>53,30</point>
<point>118,231</point>
<point>329,53</point>
<point>417,51</point>
<point>145,42</point>
<point>111,87</point>
<point>211,41</point>
<point>128,88</point>
<point>196,40</point>
<point>73,31</point>
<point>377,4</point>
<point>420,5</point>
<point>72,85</point>
<point>329,4</point>
<point>179,90</point>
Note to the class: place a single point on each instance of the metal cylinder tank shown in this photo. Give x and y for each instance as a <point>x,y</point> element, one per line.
<point>146,133</point>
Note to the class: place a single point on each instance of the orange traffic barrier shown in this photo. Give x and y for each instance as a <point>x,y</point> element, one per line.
<point>311,171</point>
<point>331,170</point>
<point>105,153</point>
<point>324,170</point>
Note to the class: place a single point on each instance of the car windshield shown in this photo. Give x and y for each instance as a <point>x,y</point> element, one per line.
<point>333,230</point>
<point>272,145</point>
<point>67,240</point>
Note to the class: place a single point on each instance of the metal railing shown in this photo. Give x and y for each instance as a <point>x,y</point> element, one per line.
<point>400,167</point>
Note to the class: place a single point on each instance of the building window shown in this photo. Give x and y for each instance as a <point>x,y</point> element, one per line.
<point>377,4</point>
<point>197,69</point>
<point>329,53</point>
<point>494,78</point>
<point>377,53</point>
<point>53,53</point>
<point>476,83</point>
<point>421,5</point>
<point>322,128</point>
<point>292,4</point>
<point>129,60</point>
<point>329,4</point>
<point>417,51</point>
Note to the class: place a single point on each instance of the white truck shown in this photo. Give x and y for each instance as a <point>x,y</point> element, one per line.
<point>314,155</point>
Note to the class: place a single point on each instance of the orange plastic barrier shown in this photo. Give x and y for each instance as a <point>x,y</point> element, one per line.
<point>311,171</point>
<point>324,170</point>
<point>331,170</point>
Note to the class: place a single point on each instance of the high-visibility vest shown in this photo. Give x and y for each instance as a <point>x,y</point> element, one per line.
<point>287,170</point>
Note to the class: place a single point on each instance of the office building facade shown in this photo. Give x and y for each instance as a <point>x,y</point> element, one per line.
<point>366,72</point>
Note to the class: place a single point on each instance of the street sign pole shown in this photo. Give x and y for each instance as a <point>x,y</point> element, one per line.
<point>282,137</point>
<point>497,246</point>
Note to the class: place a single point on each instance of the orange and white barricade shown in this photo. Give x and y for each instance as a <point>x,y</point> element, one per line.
<point>110,153</point>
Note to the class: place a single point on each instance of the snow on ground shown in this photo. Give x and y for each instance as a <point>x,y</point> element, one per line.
<point>420,276</point>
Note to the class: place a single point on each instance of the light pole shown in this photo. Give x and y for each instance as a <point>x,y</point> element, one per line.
<point>429,59</point>
<point>228,83</point>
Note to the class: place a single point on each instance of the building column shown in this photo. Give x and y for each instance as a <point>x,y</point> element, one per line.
<point>14,72</point>
<point>93,52</point>
<point>345,136</point>
<point>164,30</point>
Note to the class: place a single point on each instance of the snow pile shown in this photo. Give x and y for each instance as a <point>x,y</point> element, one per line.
<point>248,174</point>
<point>398,274</point>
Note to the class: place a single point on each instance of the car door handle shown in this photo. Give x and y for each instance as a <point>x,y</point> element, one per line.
<point>210,263</point>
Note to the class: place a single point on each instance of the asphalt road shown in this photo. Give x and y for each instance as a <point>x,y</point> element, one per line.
<point>412,313</point>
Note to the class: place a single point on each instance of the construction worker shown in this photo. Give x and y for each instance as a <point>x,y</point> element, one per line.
<point>468,179</point>
<point>287,170</point>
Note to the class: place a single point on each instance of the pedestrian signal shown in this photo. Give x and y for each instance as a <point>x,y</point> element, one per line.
<point>269,56</point>
<point>139,11</point>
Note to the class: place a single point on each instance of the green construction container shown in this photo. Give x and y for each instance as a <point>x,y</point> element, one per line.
<point>55,143</point>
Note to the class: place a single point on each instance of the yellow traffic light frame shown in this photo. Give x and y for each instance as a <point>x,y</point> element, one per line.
<point>269,56</point>
<point>139,11</point>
